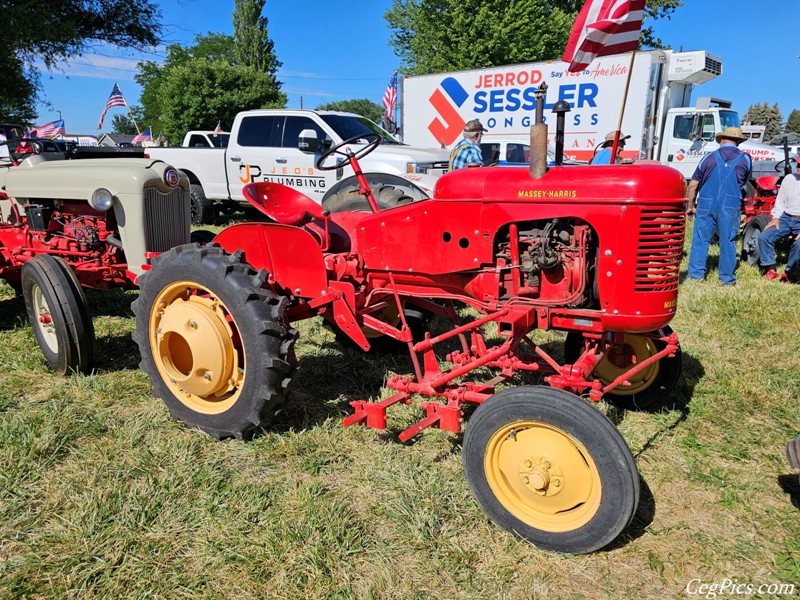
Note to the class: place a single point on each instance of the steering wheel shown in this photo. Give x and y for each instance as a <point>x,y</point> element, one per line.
<point>373,141</point>
<point>36,148</point>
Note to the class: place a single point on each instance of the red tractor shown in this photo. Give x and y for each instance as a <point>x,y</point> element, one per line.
<point>591,251</point>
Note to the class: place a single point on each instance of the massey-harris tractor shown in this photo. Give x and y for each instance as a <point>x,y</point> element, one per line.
<point>69,224</point>
<point>591,251</point>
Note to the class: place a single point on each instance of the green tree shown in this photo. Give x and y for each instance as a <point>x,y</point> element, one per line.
<point>445,35</point>
<point>769,116</point>
<point>253,47</point>
<point>54,31</point>
<point>793,122</point>
<point>198,93</point>
<point>219,99</point>
<point>122,123</point>
<point>362,106</point>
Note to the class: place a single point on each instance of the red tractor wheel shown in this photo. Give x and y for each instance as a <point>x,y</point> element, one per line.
<point>550,468</point>
<point>650,387</point>
<point>750,236</point>
<point>213,340</point>
<point>59,315</point>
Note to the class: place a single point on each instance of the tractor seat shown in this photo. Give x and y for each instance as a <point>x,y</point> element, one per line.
<point>283,204</point>
<point>767,183</point>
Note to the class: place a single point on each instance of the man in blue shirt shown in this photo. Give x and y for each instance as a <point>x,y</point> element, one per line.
<point>603,156</point>
<point>719,177</point>
<point>467,153</point>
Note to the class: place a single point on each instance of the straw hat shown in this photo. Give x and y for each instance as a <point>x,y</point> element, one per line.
<point>474,125</point>
<point>610,136</point>
<point>731,133</point>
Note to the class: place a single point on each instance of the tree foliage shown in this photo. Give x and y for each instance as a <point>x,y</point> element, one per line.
<point>253,46</point>
<point>361,106</point>
<point>52,31</point>
<point>445,35</point>
<point>122,123</point>
<point>200,85</point>
<point>793,122</point>
<point>769,116</point>
<point>199,93</point>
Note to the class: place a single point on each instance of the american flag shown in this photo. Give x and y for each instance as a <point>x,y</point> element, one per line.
<point>145,136</point>
<point>604,27</point>
<point>390,97</point>
<point>51,129</point>
<point>115,99</point>
<point>218,128</point>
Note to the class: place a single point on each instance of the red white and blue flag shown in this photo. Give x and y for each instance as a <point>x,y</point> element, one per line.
<point>604,27</point>
<point>51,129</point>
<point>390,97</point>
<point>145,136</point>
<point>115,99</point>
<point>218,128</point>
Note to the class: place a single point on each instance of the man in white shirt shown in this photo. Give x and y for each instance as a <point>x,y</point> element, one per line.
<point>785,222</point>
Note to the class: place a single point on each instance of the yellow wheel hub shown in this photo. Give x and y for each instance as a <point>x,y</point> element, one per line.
<point>389,315</point>
<point>193,340</point>
<point>543,476</point>
<point>618,359</point>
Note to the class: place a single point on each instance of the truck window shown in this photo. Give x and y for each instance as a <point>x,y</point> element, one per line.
<point>348,126</point>
<point>260,130</point>
<point>293,127</point>
<point>518,153</point>
<point>709,129</point>
<point>728,118</point>
<point>490,151</point>
<point>684,124</point>
<point>198,141</point>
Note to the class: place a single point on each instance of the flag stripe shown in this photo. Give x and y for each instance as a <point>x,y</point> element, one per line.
<point>390,97</point>
<point>604,27</point>
<point>115,99</point>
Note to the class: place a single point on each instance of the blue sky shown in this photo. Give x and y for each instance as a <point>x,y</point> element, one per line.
<point>340,50</point>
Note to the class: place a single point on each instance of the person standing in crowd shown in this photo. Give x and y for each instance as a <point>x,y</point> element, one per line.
<point>467,153</point>
<point>719,179</point>
<point>785,222</point>
<point>603,156</point>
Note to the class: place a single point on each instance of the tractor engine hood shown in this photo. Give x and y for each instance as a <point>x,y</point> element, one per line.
<point>38,177</point>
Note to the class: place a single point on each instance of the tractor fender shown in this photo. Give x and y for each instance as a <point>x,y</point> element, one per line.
<point>292,256</point>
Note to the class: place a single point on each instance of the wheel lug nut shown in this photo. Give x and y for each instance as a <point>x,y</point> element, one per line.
<point>193,324</point>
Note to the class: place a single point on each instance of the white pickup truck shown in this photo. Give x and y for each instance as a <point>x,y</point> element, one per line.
<point>205,139</point>
<point>283,146</point>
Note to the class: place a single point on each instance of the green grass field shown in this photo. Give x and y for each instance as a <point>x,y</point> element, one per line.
<point>102,495</point>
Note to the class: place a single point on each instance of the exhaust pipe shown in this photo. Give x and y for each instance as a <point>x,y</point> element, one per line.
<point>538,152</point>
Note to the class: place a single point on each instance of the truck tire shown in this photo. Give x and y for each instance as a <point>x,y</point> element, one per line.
<point>213,340</point>
<point>650,387</point>
<point>750,236</point>
<point>59,314</point>
<point>202,209</point>
<point>389,191</point>
<point>550,468</point>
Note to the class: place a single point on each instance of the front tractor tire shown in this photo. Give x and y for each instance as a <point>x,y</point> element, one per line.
<point>650,387</point>
<point>213,340</point>
<point>59,314</point>
<point>549,467</point>
<point>750,236</point>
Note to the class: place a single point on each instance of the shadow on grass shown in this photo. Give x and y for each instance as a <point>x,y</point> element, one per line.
<point>642,518</point>
<point>790,484</point>
<point>116,353</point>
<point>12,312</point>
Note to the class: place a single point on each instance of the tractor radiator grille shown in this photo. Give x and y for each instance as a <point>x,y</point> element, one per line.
<point>166,219</point>
<point>659,252</point>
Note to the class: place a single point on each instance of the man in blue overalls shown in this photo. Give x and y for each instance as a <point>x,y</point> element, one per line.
<point>719,177</point>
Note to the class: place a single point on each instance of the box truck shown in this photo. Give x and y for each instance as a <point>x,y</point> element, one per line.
<point>659,116</point>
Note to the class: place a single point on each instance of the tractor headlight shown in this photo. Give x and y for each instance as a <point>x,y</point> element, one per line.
<point>101,199</point>
<point>171,177</point>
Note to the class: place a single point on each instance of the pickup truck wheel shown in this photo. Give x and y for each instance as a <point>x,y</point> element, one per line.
<point>202,208</point>
<point>750,236</point>
<point>550,468</point>
<point>650,387</point>
<point>213,340</point>
<point>59,314</point>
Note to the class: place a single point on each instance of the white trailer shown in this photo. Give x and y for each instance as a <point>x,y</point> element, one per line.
<point>658,116</point>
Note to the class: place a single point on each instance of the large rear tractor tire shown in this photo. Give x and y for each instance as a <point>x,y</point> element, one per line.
<point>59,314</point>
<point>389,191</point>
<point>750,236</point>
<point>213,340</point>
<point>550,468</point>
<point>649,387</point>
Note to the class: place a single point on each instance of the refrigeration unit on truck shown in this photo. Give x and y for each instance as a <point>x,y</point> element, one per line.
<point>283,145</point>
<point>659,117</point>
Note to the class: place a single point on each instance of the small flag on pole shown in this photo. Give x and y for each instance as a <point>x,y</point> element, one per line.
<point>145,136</point>
<point>115,99</point>
<point>51,129</point>
<point>604,27</point>
<point>218,128</point>
<point>390,97</point>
